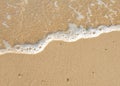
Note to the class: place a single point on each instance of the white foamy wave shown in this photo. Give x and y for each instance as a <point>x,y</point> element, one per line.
<point>73,34</point>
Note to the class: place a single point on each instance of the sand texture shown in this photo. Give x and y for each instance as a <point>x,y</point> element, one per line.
<point>27,21</point>
<point>90,62</point>
<point>86,62</point>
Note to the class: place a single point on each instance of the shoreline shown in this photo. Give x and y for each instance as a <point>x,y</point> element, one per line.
<point>87,62</point>
<point>59,43</point>
<point>73,34</point>
<point>25,22</point>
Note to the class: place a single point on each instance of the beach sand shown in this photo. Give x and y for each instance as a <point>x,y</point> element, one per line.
<point>28,21</point>
<point>87,62</point>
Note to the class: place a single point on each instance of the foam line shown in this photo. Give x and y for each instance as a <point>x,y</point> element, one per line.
<point>73,34</point>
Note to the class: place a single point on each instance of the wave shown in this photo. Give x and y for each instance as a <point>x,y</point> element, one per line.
<point>73,34</point>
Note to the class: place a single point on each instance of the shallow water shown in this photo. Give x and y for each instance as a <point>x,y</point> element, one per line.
<point>23,23</point>
<point>73,34</point>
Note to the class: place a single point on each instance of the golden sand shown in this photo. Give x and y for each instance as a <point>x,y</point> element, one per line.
<point>90,62</point>
<point>87,62</point>
<point>28,21</point>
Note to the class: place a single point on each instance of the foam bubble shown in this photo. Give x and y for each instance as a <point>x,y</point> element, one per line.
<point>73,34</point>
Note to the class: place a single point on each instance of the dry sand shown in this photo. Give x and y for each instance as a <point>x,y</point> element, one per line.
<point>89,62</point>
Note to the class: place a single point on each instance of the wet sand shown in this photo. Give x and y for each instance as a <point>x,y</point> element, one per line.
<point>87,62</point>
<point>19,19</point>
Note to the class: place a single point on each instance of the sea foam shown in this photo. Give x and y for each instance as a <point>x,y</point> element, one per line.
<point>73,34</point>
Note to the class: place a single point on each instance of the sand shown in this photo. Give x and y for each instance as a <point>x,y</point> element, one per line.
<point>19,19</point>
<point>87,62</point>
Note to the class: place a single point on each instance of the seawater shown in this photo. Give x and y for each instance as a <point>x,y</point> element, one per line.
<point>73,34</point>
